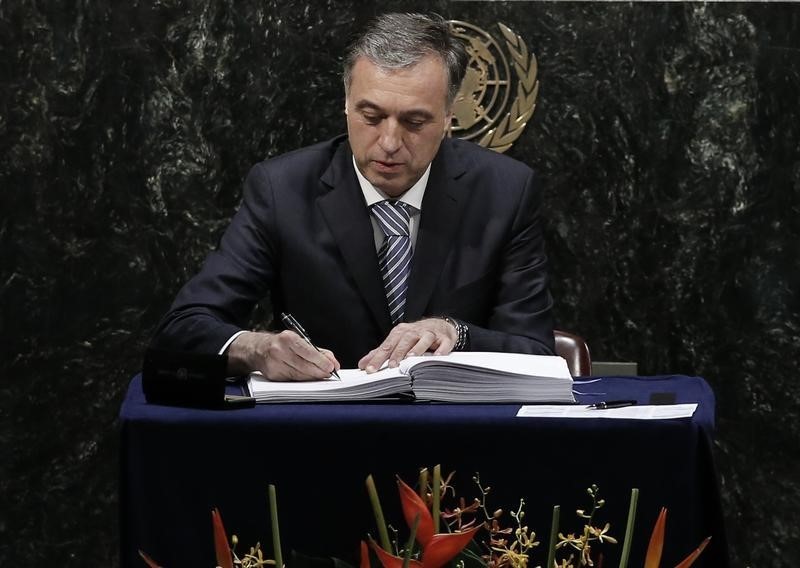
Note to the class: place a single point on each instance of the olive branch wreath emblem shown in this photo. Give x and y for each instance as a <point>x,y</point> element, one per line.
<point>513,123</point>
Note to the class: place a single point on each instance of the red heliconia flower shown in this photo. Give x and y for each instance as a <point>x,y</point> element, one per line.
<point>364,555</point>
<point>437,549</point>
<point>223,551</point>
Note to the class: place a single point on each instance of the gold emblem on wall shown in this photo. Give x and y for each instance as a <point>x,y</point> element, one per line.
<point>481,110</point>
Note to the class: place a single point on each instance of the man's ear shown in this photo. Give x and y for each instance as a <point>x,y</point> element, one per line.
<point>448,120</point>
<point>345,106</point>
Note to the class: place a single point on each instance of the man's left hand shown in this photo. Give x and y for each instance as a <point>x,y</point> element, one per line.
<point>410,339</point>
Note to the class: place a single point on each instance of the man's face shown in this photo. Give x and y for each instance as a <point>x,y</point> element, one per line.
<point>396,120</point>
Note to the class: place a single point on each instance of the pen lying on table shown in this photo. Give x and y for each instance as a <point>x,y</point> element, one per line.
<point>611,404</point>
<point>294,325</point>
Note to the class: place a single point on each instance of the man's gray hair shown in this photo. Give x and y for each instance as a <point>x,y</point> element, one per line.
<point>397,41</point>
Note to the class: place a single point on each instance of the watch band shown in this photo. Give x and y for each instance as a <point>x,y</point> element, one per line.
<point>462,331</point>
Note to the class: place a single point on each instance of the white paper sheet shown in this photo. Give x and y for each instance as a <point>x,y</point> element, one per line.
<point>639,412</point>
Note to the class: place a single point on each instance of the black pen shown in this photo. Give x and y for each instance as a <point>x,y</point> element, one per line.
<point>294,325</point>
<point>611,404</point>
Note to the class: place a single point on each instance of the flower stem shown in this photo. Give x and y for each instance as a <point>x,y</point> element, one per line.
<point>410,544</point>
<point>551,549</point>
<point>276,533</point>
<point>423,483</point>
<point>383,532</point>
<point>626,545</point>
<point>437,485</point>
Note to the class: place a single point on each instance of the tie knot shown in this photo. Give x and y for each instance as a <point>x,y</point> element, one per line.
<point>393,217</point>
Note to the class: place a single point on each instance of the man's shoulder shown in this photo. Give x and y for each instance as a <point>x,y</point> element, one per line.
<point>472,155</point>
<point>320,155</point>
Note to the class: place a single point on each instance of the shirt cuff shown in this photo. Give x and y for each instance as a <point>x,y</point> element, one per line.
<point>228,343</point>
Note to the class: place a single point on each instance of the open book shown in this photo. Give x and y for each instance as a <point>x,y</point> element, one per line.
<point>457,377</point>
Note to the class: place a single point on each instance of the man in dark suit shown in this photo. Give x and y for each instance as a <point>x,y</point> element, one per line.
<point>458,263</point>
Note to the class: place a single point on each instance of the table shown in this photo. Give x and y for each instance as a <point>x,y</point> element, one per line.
<point>179,463</point>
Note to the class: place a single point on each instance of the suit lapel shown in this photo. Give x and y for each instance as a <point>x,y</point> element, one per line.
<point>441,211</point>
<point>348,220</point>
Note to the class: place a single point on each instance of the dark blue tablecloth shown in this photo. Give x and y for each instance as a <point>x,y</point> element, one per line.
<point>179,463</point>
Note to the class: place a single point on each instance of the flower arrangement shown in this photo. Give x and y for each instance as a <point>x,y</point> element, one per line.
<point>444,529</point>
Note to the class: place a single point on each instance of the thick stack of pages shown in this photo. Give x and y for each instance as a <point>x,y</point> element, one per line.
<point>491,377</point>
<point>458,377</point>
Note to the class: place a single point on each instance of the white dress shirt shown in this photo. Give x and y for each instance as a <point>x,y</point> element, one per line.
<point>412,197</point>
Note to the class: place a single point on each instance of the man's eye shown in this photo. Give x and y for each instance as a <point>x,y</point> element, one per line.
<point>415,124</point>
<point>372,118</point>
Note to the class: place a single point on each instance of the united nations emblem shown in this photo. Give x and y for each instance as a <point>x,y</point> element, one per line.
<point>481,110</point>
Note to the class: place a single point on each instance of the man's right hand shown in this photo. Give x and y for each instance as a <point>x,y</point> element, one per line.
<point>283,356</point>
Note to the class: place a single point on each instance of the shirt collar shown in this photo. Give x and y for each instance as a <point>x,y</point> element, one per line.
<point>412,197</point>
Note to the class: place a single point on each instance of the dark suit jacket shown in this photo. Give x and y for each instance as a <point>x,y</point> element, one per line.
<point>303,236</point>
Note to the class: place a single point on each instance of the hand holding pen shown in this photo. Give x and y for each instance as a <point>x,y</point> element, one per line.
<point>291,323</point>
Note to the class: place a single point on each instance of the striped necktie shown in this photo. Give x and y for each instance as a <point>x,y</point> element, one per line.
<point>394,256</point>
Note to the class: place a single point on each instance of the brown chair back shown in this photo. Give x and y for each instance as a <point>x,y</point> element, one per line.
<point>574,349</point>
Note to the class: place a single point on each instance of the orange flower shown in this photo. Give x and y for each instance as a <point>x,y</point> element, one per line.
<point>656,545</point>
<point>149,561</point>
<point>437,549</point>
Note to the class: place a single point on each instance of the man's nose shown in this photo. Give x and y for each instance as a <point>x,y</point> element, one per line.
<point>391,138</point>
